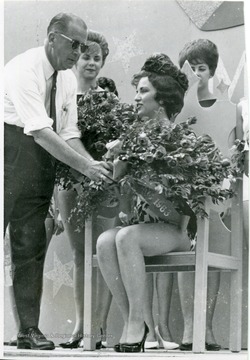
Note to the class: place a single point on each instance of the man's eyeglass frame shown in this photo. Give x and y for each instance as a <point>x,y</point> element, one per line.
<point>75,43</point>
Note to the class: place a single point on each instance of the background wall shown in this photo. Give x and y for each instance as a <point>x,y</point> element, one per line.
<point>134,29</point>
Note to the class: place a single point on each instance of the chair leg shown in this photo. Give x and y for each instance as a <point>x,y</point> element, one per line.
<point>200,289</point>
<point>89,290</point>
<point>235,311</point>
<point>236,276</point>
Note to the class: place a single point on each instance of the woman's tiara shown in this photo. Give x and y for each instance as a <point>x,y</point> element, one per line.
<point>161,64</point>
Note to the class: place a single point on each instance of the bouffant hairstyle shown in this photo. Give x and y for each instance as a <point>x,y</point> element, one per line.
<point>169,82</point>
<point>61,21</point>
<point>200,51</point>
<point>95,37</point>
<point>105,82</point>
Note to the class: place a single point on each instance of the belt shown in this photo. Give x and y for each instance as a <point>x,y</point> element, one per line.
<point>14,128</point>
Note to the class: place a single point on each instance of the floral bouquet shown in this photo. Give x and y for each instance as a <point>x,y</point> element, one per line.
<point>169,162</point>
<point>164,163</point>
<point>102,118</point>
<point>238,156</point>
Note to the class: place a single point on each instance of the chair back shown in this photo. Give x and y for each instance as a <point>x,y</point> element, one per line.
<point>218,120</point>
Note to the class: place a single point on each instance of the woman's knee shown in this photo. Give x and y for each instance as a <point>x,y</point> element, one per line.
<point>105,242</point>
<point>125,240</point>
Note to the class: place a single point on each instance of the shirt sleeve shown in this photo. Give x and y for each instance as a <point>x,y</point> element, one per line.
<point>22,88</point>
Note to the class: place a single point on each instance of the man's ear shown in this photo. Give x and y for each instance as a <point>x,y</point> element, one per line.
<point>51,38</point>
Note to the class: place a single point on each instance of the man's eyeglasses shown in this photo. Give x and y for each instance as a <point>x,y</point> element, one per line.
<point>75,43</point>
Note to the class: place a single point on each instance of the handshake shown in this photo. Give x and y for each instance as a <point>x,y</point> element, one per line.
<point>108,170</point>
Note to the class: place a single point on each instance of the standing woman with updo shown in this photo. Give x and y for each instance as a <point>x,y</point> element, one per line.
<point>87,69</point>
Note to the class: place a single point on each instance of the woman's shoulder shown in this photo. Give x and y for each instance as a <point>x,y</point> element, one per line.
<point>243,106</point>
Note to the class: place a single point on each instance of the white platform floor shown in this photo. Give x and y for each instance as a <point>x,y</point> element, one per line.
<point>11,352</point>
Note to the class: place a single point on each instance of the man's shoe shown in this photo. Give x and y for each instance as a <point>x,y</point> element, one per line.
<point>32,338</point>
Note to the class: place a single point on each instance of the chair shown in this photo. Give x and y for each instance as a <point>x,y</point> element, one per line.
<point>202,260</point>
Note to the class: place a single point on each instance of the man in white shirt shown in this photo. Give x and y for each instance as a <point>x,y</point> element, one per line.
<point>37,131</point>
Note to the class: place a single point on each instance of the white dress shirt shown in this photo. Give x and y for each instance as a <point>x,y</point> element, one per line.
<point>28,81</point>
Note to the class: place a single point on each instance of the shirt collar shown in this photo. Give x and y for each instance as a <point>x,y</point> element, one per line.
<point>47,67</point>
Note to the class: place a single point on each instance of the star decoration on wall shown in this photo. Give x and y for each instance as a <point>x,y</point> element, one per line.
<point>192,77</point>
<point>60,274</point>
<point>222,87</point>
<point>125,50</point>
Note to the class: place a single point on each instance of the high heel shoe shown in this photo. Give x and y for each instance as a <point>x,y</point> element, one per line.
<point>117,347</point>
<point>73,343</point>
<point>168,345</point>
<point>101,344</point>
<point>153,345</point>
<point>186,346</point>
<point>212,347</point>
<point>136,347</point>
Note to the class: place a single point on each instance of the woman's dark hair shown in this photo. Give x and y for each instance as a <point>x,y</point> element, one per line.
<point>199,51</point>
<point>96,37</point>
<point>105,82</point>
<point>60,22</point>
<point>169,82</point>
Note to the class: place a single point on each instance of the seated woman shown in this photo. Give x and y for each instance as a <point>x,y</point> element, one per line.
<point>202,55</point>
<point>121,251</point>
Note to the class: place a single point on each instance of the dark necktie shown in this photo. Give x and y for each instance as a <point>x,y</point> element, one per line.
<point>53,101</point>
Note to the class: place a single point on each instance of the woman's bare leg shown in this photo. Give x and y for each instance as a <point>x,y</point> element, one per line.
<point>186,289</point>
<point>109,266</point>
<point>66,201</point>
<point>104,296</point>
<point>213,285</point>
<point>103,302</point>
<point>164,285</point>
<point>133,243</point>
<point>148,307</point>
<point>49,228</point>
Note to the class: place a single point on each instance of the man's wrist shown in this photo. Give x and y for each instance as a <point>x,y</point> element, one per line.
<point>86,163</point>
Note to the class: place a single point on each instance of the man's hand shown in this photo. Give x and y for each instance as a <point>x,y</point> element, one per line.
<point>99,171</point>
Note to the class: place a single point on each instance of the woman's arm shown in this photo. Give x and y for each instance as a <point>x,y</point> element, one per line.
<point>239,122</point>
